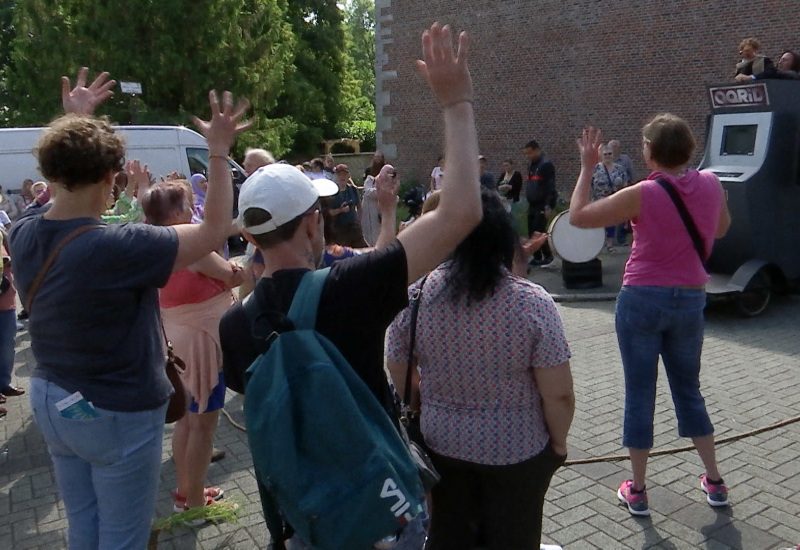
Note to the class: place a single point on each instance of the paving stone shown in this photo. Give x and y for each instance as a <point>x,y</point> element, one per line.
<point>666,501</point>
<point>738,534</point>
<point>762,472</point>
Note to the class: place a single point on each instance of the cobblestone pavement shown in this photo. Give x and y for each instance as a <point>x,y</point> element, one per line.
<point>751,378</point>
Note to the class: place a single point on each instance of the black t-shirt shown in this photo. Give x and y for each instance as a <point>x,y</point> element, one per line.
<point>361,298</point>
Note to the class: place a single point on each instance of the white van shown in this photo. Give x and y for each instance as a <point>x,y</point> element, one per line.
<point>163,149</point>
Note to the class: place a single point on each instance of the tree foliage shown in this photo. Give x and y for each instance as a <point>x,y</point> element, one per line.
<point>360,27</point>
<point>305,65</point>
<point>177,50</point>
<point>312,95</point>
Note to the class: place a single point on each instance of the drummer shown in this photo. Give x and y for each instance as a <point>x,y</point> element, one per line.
<point>660,307</point>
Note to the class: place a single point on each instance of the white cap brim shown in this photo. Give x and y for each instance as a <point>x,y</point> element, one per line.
<point>325,187</point>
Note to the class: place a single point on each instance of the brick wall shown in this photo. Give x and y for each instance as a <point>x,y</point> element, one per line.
<point>544,69</point>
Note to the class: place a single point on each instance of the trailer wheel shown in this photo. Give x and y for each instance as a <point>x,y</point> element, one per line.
<point>753,300</point>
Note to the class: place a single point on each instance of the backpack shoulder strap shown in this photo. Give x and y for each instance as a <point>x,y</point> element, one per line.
<point>303,312</point>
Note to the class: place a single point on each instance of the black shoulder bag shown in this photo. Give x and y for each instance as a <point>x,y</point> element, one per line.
<point>409,419</point>
<point>686,217</point>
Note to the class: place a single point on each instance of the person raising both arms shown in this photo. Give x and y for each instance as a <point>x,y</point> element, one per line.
<point>99,391</point>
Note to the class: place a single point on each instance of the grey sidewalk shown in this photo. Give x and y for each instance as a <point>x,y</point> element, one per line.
<point>751,378</point>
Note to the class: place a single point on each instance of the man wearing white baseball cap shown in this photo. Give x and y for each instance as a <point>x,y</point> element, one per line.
<point>280,213</point>
<point>282,193</point>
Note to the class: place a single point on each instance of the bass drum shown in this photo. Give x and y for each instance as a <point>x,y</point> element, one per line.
<point>574,244</point>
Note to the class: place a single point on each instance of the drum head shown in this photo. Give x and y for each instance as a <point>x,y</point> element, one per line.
<point>574,244</point>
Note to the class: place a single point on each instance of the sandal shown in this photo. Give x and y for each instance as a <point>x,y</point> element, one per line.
<point>213,493</point>
<point>3,412</point>
<point>3,399</point>
<point>196,522</point>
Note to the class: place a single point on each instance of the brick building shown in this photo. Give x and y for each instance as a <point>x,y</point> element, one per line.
<point>544,69</point>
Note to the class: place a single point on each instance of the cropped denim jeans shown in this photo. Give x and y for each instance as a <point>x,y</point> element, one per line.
<point>107,470</point>
<point>666,322</point>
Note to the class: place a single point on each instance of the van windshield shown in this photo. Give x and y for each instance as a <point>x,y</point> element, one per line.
<point>198,164</point>
<point>198,160</point>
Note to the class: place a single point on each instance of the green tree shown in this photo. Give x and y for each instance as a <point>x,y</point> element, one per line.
<point>360,27</point>
<point>176,49</point>
<point>312,96</point>
<point>6,37</point>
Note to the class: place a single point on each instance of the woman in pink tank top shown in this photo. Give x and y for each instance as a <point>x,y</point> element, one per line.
<point>192,304</point>
<point>660,307</point>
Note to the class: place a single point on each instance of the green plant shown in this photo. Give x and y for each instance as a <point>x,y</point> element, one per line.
<point>226,511</point>
<point>405,185</point>
<point>363,130</point>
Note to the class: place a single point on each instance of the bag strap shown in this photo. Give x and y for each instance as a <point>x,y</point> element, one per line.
<point>416,298</point>
<point>686,217</point>
<point>303,312</point>
<point>37,282</point>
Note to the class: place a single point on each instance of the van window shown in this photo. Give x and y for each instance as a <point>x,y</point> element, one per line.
<point>198,160</point>
<point>198,164</point>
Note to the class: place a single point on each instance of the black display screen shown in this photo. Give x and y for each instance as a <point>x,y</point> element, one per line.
<point>739,140</point>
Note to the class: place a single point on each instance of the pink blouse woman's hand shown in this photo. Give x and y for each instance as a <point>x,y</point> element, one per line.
<point>588,145</point>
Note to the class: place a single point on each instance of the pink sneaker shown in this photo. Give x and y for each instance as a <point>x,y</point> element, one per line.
<point>636,502</point>
<point>716,493</point>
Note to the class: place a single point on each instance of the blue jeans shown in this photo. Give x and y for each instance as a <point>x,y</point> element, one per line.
<point>8,332</point>
<point>669,322</point>
<point>106,468</point>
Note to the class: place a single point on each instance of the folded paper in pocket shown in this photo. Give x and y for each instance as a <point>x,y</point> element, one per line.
<point>76,407</point>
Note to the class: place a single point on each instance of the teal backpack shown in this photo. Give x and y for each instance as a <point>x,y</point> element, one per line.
<point>322,445</point>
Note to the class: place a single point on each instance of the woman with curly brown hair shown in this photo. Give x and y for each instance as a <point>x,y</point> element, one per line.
<point>99,391</point>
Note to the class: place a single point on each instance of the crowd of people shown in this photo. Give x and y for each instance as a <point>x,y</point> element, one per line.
<point>111,265</point>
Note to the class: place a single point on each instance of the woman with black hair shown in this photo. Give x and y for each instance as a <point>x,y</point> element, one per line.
<point>496,388</point>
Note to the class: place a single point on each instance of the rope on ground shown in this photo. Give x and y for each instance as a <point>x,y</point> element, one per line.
<point>233,422</point>
<point>720,441</point>
<point>619,458</point>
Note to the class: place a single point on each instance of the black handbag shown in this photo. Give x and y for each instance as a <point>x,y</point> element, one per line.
<point>409,419</point>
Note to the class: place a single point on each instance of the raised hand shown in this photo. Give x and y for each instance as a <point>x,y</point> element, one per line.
<point>82,100</point>
<point>386,185</point>
<point>589,146</point>
<point>445,70</point>
<point>533,244</point>
<point>220,132</point>
<point>138,177</point>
